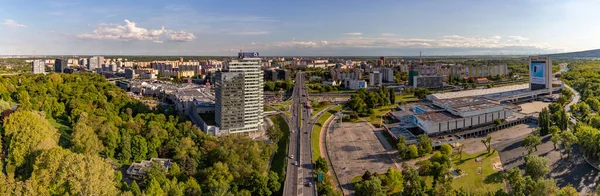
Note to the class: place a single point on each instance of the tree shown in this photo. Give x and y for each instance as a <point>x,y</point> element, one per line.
<point>83,138</point>
<point>421,93</point>
<point>193,188</point>
<point>4,105</point>
<point>497,122</point>
<point>371,187</point>
<point>61,172</point>
<point>413,151</point>
<point>424,144</point>
<point>568,191</point>
<point>555,139</point>
<point>446,149</point>
<point>139,148</point>
<point>544,121</point>
<point>135,189</point>
<point>562,120</point>
<point>542,187</point>
<point>554,129</point>
<point>321,165</point>
<point>274,184</point>
<point>536,166</point>
<point>27,132</point>
<point>516,182</point>
<point>568,139</point>
<point>414,184</point>
<point>554,107</point>
<point>402,148</point>
<point>154,189</point>
<point>488,143</point>
<point>531,142</point>
<point>392,96</point>
<point>459,149</point>
<point>393,181</point>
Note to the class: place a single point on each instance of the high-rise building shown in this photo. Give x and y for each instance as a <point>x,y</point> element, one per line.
<point>95,62</point>
<point>60,65</point>
<point>381,61</point>
<point>38,67</point>
<point>239,96</point>
<point>540,72</point>
<point>375,78</point>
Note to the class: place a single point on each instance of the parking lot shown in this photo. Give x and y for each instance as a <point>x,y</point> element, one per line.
<point>353,149</point>
<point>564,170</point>
<point>474,145</point>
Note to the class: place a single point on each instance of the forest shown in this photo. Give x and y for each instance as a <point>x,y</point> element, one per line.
<point>72,134</point>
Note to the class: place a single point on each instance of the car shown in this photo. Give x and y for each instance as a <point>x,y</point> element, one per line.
<point>309,184</point>
<point>291,156</point>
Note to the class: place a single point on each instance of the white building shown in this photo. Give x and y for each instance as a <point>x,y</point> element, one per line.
<point>95,62</point>
<point>458,113</point>
<point>239,97</point>
<point>38,67</point>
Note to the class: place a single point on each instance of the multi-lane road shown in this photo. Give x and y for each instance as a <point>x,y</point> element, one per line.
<point>299,172</point>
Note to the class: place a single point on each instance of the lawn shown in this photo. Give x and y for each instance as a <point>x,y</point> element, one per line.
<point>316,133</point>
<point>280,158</point>
<point>284,107</point>
<point>489,180</point>
<point>375,118</point>
<point>404,97</point>
<point>318,107</point>
<point>64,129</point>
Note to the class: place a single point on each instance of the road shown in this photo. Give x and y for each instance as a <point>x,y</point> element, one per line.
<point>576,95</point>
<point>298,176</point>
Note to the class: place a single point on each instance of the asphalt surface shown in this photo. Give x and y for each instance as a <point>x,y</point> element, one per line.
<point>300,168</point>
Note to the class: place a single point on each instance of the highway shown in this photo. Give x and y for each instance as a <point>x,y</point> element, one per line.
<point>299,177</point>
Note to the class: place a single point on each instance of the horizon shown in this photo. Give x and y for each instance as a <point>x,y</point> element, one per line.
<point>308,28</point>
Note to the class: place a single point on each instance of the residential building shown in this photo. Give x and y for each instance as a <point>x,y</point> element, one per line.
<point>375,78</point>
<point>428,81</point>
<point>139,170</point>
<point>38,67</point>
<point>95,62</point>
<point>60,65</point>
<point>239,96</point>
<point>129,73</point>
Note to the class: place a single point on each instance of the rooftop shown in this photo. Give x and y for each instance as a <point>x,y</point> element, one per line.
<point>475,107</point>
<point>437,116</point>
<point>479,92</point>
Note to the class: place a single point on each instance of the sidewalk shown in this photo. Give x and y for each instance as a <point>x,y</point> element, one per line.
<point>325,152</point>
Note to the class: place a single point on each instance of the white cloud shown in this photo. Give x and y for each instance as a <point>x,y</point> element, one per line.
<point>388,34</point>
<point>451,41</point>
<point>181,36</point>
<point>13,23</point>
<point>353,34</point>
<point>129,31</point>
<point>518,38</point>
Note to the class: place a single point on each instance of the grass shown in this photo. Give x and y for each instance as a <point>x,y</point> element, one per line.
<point>64,129</point>
<point>284,106</point>
<point>404,97</point>
<point>489,180</point>
<point>266,109</point>
<point>280,158</point>
<point>319,107</point>
<point>316,133</point>
<point>375,118</point>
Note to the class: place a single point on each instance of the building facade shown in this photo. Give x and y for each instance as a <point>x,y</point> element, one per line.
<point>375,78</point>
<point>60,65</point>
<point>38,67</point>
<point>239,97</point>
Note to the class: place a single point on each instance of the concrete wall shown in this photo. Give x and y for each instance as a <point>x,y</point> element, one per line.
<point>477,120</point>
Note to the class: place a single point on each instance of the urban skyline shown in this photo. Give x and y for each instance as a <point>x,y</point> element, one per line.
<point>351,28</point>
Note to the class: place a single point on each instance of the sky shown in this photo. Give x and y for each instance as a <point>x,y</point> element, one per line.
<point>297,28</point>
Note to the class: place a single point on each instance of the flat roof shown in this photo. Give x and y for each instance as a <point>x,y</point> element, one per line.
<point>437,116</point>
<point>461,101</point>
<point>476,107</point>
<point>479,92</point>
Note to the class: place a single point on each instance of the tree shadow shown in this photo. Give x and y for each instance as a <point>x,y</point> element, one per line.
<point>493,178</point>
<point>471,158</point>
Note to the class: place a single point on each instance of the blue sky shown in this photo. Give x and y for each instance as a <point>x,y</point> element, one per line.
<point>308,27</point>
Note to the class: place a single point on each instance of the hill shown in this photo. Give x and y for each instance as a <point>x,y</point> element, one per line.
<point>580,54</point>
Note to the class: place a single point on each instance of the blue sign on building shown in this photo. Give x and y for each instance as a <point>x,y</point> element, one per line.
<point>248,55</point>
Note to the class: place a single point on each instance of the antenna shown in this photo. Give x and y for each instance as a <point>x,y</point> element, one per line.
<point>420,58</point>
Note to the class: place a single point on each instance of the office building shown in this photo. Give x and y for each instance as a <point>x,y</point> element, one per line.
<point>283,74</point>
<point>239,96</point>
<point>60,65</point>
<point>129,73</point>
<point>38,67</point>
<point>387,74</point>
